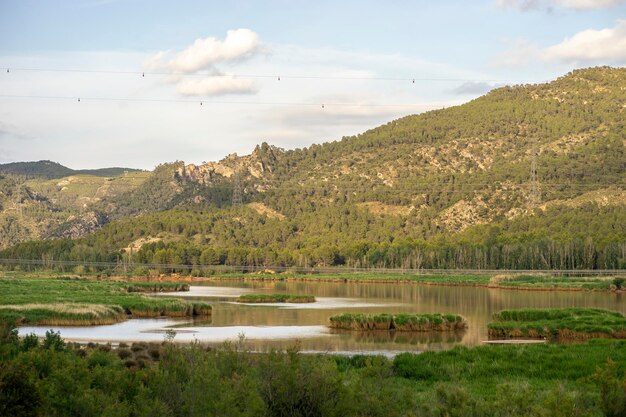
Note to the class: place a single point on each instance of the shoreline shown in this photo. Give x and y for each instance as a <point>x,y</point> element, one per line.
<point>459,281</point>
<point>490,281</point>
<point>346,280</point>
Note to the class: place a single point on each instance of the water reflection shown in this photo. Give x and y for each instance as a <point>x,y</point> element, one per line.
<point>156,330</point>
<point>281,326</point>
<point>410,338</point>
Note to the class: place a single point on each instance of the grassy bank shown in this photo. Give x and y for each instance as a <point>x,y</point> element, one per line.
<point>275,298</point>
<point>509,281</point>
<point>505,281</point>
<point>399,322</point>
<point>552,282</point>
<point>75,301</point>
<point>563,324</point>
<point>52,378</point>
<point>364,277</point>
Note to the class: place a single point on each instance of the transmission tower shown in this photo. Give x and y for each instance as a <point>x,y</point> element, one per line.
<point>534,197</point>
<point>237,190</point>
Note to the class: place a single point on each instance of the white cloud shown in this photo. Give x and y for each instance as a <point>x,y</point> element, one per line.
<point>217,85</point>
<point>607,46</point>
<point>588,47</point>
<point>525,5</point>
<point>205,53</point>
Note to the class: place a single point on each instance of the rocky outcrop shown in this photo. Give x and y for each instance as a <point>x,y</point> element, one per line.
<point>259,164</point>
<point>79,226</point>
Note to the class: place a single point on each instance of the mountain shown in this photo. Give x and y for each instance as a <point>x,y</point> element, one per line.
<point>35,207</point>
<point>52,170</point>
<point>531,176</point>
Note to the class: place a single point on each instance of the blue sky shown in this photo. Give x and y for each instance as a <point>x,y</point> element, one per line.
<point>228,56</point>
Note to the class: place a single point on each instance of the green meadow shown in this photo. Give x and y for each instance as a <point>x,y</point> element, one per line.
<point>79,301</point>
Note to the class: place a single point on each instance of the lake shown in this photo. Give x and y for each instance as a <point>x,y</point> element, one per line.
<point>266,326</point>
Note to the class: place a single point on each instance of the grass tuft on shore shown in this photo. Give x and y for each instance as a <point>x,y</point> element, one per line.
<point>152,287</point>
<point>563,324</point>
<point>568,282</point>
<point>275,298</point>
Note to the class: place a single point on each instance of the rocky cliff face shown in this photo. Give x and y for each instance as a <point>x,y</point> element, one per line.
<point>79,226</point>
<point>258,165</point>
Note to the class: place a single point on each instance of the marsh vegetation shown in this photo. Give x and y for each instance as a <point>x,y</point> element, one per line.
<point>51,377</point>
<point>562,324</point>
<point>400,322</point>
<point>74,301</point>
<point>275,298</point>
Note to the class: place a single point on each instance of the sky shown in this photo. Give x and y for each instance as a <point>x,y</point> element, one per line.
<point>136,83</point>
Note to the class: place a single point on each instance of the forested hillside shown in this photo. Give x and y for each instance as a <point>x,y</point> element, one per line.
<point>51,170</point>
<point>530,176</point>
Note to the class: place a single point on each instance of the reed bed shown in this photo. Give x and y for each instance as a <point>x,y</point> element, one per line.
<point>400,322</point>
<point>566,324</point>
<point>72,301</point>
<point>64,314</point>
<point>275,298</point>
<point>542,281</point>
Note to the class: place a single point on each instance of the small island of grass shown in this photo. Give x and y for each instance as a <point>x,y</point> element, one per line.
<point>152,287</point>
<point>566,324</point>
<point>400,322</point>
<point>275,298</point>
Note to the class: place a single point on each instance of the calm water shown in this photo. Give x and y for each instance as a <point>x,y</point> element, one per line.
<point>281,326</point>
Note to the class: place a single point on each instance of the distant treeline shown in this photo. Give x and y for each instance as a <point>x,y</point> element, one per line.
<point>541,254</point>
<point>587,237</point>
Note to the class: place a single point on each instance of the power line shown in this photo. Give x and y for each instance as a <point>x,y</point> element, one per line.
<point>277,76</point>
<point>201,102</point>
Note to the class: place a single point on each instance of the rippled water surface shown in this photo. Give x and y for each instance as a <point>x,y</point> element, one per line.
<point>279,326</point>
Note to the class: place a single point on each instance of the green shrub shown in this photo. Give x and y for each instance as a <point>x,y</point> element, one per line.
<point>19,396</point>
<point>53,341</point>
<point>124,353</point>
<point>100,358</point>
<point>30,341</point>
<point>612,390</point>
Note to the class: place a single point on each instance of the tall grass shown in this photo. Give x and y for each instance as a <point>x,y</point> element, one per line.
<point>64,314</point>
<point>399,322</point>
<point>541,281</point>
<point>75,301</point>
<point>565,324</point>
